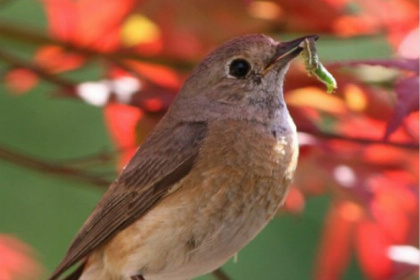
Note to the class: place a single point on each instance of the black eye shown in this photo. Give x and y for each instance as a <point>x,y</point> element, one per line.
<point>239,68</point>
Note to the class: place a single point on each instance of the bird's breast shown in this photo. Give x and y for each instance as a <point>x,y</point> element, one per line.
<point>244,170</point>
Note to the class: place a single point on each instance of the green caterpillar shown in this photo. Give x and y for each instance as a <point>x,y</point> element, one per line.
<point>315,67</point>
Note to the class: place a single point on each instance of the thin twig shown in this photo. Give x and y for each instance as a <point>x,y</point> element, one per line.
<point>359,140</point>
<point>43,73</point>
<point>93,159</point>
<point>52,168</point>
<point>220,274</point>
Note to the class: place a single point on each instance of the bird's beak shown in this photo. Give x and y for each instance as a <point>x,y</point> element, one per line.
<point>286,51</point>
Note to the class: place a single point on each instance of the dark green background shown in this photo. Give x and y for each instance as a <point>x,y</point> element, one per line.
<point>46,211</point>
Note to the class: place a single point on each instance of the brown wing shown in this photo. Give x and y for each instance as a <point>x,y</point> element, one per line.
<point>164,158</point>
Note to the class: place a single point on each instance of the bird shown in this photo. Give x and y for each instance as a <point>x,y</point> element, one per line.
<point>208,178</point>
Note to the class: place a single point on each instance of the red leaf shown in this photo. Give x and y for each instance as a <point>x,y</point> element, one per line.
<point>407,91</point>
<point>402,17</point>
<point>158,74</point>
<point>122,121</point>
<point>187,33</point>
<point>55,59</point>
<point>353,25</point>
<point>394,203</point>
<point>383,155</point>
<point>361,126</point>
<point>295,201</point>
<point>61,18</point>
<point>335,249</point>
<point>372,244</point>
<point>303,16</point>
<point>20,80</point>
<point>89,23</point>
<point>16,261</point>
<point>367,17</point>
<point>153,105</point>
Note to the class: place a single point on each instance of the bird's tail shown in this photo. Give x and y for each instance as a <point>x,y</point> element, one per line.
<point>75,275</point>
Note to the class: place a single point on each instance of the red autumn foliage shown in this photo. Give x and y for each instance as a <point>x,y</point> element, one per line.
<point>16,261</point>
<point>88,23</point>
<point>360,144</point>
<point>335,248</point>
<point>122,121</point>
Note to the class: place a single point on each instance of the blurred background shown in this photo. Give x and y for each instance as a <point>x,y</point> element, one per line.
<point>83,82</point>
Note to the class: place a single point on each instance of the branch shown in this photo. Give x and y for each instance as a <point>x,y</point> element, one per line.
<point>89,160</point>
<point>359,140</point>
<point>36,38</point>
<point>52,168</point>
<point>43,73</point>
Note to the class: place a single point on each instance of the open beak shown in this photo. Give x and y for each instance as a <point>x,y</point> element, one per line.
<point>286,51</point>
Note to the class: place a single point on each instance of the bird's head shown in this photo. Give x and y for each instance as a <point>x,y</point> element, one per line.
<point>245,72</point>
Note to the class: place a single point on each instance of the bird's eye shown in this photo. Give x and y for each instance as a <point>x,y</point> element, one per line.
<point>239,68</point>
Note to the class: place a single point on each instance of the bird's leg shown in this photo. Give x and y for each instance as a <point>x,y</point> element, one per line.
<point>137,277</point>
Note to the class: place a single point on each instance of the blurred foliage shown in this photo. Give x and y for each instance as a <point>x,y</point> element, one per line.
<point>84,82</point>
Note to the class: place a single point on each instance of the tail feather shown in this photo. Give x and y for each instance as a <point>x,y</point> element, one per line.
<point>75,275</point>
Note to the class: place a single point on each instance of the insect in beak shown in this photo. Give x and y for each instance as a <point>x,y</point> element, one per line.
<point>286,51</point>
<point>314,66</point>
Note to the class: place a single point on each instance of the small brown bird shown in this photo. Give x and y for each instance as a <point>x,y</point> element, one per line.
<point>208,178</point>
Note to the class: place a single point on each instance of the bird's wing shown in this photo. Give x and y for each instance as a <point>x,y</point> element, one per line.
<point>162,160</point>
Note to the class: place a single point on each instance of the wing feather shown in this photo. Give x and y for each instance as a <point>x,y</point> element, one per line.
<point>165,157</point>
